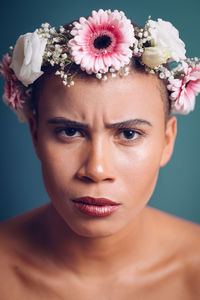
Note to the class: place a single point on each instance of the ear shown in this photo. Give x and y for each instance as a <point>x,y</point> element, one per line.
<point>170,136</point>
<point>33,127</point>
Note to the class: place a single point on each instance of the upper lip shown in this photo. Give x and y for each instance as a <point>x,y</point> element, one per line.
<point>95,201</point>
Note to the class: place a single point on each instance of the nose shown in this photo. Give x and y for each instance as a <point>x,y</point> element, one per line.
<point>97,163</point>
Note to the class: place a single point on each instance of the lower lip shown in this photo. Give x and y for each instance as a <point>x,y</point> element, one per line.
<point>96,210</point>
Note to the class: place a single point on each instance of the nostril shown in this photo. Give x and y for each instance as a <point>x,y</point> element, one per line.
<point>87,179</point>
<point>91,179</point>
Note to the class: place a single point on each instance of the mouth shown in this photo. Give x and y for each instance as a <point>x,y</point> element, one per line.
<point>95,201</point>
<point>95,206</point>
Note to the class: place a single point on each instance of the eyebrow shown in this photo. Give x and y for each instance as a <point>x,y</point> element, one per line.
<point>123,124</point>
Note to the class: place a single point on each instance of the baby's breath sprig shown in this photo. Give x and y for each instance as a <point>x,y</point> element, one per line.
<point>56,52</point>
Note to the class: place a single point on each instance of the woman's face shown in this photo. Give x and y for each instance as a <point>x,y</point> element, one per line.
<point>114,150</point>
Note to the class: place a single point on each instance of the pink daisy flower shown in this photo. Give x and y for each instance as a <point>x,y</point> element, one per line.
<point>12,93</point>
<point>102,41</point>
<point>184,91</point>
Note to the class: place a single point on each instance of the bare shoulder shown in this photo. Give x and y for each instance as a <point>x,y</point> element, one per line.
<point>15,241</point>
<point>15,229</point>
<point>182,240</point>
<point>183,234</point>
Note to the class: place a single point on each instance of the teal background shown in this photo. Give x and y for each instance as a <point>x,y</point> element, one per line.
<point>21,187</point>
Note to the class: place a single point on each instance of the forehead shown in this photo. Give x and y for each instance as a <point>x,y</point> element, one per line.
<point>136,95</point>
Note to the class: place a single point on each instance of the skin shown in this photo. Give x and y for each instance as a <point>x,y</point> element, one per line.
<point>56,252</point>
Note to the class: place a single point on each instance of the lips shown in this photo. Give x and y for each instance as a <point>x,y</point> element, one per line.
<point>96,207</point>
<point>95,201</point>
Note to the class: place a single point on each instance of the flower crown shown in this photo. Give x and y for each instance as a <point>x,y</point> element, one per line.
<point>102,44</point>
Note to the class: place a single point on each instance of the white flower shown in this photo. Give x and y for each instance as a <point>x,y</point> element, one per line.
<point>165,35</point>
<point>155,56</point>
<point>27,57</point>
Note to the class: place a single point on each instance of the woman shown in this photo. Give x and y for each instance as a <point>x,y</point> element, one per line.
<point>97,96</point>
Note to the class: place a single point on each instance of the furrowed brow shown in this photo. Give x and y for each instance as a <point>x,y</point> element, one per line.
<point>67,122</point>
<point>118,125</point>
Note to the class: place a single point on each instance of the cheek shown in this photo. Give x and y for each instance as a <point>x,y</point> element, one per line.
<point>139,170</point>
<point>57,167</point>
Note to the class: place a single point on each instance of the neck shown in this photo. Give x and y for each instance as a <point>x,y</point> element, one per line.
<point>97,256</point>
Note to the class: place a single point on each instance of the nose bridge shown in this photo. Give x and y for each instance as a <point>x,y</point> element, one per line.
<point>96,166</point>
<point>97,156</point>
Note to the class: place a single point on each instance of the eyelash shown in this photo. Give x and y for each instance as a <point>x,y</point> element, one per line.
<point>134,132</point>
<point>59,131</point>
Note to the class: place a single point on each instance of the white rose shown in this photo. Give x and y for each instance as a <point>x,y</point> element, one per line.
<point>165,35</point>
<point>27,57</point>
<point>155,56</point>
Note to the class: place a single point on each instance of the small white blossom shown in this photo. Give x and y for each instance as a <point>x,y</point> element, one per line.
<point>58,47</point>
<point>55,40</point>
<point>45,25</point>
<point>112,70</point>
<point>52,30</point>
<point>49,54</point>
<point>162,75</point>
<point>104,78</point>
<point>167,73</point>
<point>62,29</point>
<point>64,55</point>
<point>99,75</point>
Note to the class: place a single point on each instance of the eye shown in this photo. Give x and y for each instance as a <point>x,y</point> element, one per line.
<point>129,134</point>
<point>68,132</point>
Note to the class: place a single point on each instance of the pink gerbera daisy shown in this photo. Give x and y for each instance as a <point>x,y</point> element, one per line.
<point>184,91</point>
<point>102,41</point>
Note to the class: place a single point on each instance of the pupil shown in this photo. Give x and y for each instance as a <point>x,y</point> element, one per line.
<point>128,134</point>
<point>102,42</point>
<point>70,131</point>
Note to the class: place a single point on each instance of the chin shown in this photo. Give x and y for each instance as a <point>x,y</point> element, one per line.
<point>97,227</point>
<point>95,232</point>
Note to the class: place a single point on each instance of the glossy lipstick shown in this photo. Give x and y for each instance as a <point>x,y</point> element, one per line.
<point>97,207</point>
